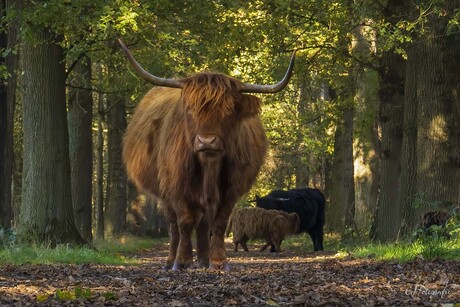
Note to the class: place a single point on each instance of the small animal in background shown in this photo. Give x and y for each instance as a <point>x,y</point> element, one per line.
<point>308,203</point>
<point>437,218</point>
<point>257,223</point>
<point>430,218</point>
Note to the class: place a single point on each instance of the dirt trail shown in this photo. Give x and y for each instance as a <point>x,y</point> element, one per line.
<point>267,279</point>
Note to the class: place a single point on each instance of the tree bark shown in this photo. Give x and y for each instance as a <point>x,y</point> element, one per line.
<point>9,40</point>
<point>46,208</point>
<point>301,167</point>
<point>391,93</point>
<point>367,147</point>
<point>81,146</point>
<point>5,178</point>
<point>432,87</point>
<point>116,197</point>
<point>342,192</point>
<point>100,170</point>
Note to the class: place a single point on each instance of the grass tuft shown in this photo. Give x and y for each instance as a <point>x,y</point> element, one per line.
<point>108,252</point>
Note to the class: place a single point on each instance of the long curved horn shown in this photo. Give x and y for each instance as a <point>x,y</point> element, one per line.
<point>148,76</point>
<point>273,88</point>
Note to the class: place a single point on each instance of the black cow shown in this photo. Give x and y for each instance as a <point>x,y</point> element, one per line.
<point>309,204</point>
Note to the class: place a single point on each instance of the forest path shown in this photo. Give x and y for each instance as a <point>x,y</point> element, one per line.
<point>256,279</point>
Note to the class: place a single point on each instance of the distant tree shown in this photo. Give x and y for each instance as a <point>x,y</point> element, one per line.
<point>5,200</point>
<point>81,145</point>
<point>9,37</point>
<point>99,204</point>
<point>342,191</point>
<point>116,194</point>
<point>341,211</point>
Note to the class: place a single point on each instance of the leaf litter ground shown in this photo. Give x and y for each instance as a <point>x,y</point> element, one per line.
<point>256,279</point>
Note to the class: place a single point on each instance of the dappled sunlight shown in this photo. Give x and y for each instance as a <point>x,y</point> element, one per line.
<point>437,129</point>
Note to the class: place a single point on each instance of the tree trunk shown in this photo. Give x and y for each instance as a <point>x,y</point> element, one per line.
<point>46,208</point>
<point>100,169</point>
<point>300,161</point>
<point>81,146</point>
<point>5,178</point>
<point>116,197</point>
<point>367,147</point>
<point>7,105</point>
<point>341,209</point>
<point>432,87</point>
<point>408,181</point>
<point>388,216</point>
<point>342,192</point>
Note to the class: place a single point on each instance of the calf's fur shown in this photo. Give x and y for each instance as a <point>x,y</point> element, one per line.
<point>257,223</point>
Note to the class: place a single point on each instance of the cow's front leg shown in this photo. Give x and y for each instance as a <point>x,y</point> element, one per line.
<point>202,242</point>
<point>173,243</point>
<point>218,256</point>
<point>186,221</point>
<point>173,239</point>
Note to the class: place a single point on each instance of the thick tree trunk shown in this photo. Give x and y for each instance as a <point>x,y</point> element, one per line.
<point>367,147</point>
<point>432,88</point>
<point>116,197</point>
<point>408,179</point>
<point>81,145</point>
<point>388,216</point>
<point>342,192</point>
<point>46,209</point>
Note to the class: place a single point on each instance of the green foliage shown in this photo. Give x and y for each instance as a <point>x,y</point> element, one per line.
<point>436,242</point>
<point>360,247</point>
<point>435,234</point>
<point>407,251</point>
<point>7,237</point>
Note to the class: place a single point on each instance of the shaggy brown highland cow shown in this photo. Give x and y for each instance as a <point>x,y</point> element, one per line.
<point>197,144</point>
<point>258,223</point>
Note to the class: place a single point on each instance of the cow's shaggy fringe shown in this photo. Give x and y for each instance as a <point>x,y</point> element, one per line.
<point>257,223</point>
<point>210,95</point>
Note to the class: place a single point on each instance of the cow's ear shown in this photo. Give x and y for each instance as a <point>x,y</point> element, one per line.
<point>294,217</point>
<point>249,105</point>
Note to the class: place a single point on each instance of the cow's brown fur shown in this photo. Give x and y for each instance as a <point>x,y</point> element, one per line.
<point>198,190</point>
<point>258,223</point>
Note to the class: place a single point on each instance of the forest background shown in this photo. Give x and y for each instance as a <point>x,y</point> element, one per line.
<point>371,116</point>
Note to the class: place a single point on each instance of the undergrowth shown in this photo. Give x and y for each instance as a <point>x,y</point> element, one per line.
<point>111,252</point>
<point>432,244</point>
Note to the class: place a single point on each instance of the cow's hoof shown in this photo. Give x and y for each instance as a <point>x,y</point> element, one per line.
<point>180,266</point>
<point>203,264</point>
<point>167,267</point>
<point>224,267</point>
